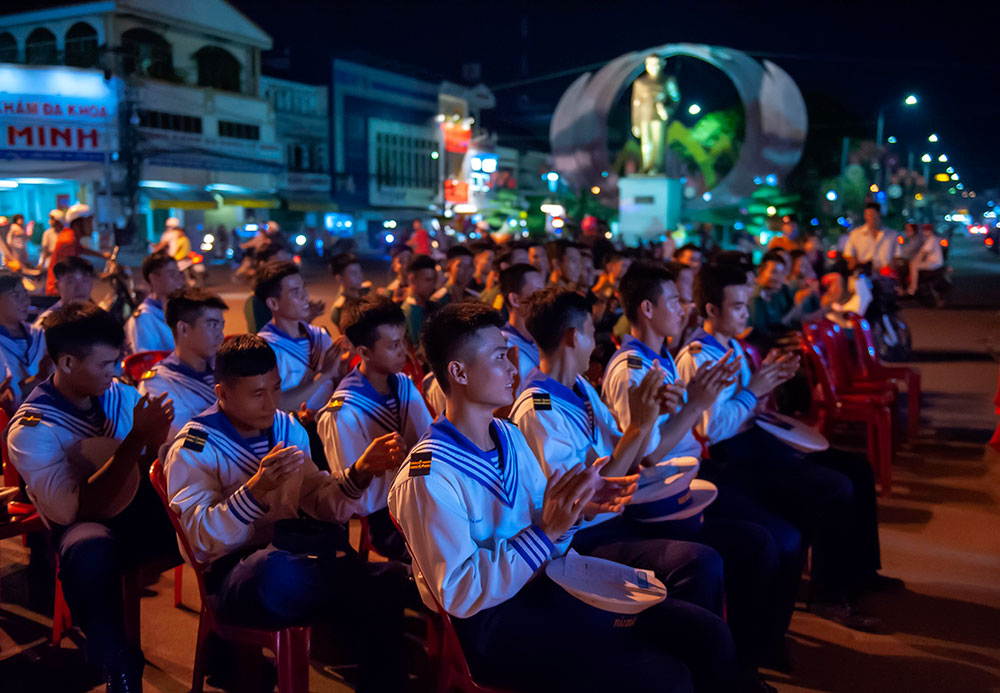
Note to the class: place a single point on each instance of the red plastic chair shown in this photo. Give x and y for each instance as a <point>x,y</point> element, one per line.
<point>873,410</point>
<point>444,648</point>
<point>871,368</point>
<point>289,645</point>
<point>136,364</point>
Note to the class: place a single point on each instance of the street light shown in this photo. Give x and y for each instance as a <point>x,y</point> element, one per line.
<point>694,109</point>
<point>926,158</point>
<point>891,139</point>
<point>910,100</point>
<point>943,158</point>
<point>932,138</point>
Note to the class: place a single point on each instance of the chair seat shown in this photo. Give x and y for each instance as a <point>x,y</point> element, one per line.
<point>21,524</point>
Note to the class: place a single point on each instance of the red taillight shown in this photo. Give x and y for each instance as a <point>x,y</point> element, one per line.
<point>832,254</point>
<point>944,242</point>
<point>297,259</point>
<point>988,241</point>
<point>899,239</point>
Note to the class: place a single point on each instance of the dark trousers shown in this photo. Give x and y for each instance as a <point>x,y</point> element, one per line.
<point>93,556</point>
<point>691,572</point>
<point>828,496</point>
<point>271,588</point>
<point>758,602</point>
<point>544,639</point>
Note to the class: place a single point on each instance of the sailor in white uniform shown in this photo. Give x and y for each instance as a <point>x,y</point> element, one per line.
<point>829,496</point>
<point>481,522</point>
<point>565,422</point>
<point>23,361</point>
<point>374,401</point>
<point>77,442</point>
<point>195,317</point>
<point>147,329</point>
<point>517,283</point>
<point>309,363</point>
<point>239,475</point>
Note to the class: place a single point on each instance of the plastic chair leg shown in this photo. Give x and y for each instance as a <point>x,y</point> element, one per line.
<point>178,585</point>
<point>913,402</point>
<point>886,453</point>
<point>293,660</point>
<point>61,621</point>
<point>198,677</point>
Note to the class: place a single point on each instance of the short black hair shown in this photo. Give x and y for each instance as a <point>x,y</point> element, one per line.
<point>642,283</point>
<point>552,311</point>
<point>187,305</point>
<point>71,264</point>
<point>711,282</point>
<point>612,255</point>
<point>773,255</point>
<point>341,261</point>
<point>421,262</point>
<point>557,249</point>
<point>154,263</point>
<point>512,278</point>
<point>734,257</point>
<point>457,251</point>
<point>874,205</point>
<point>675,268</point>
<point>446,331</point>
<point>265,254</point>
<point>399,249</point>
<point>76,328</point>
<point>268,282</point>
<point>9,281</point>
<point>797,253</point>
<point>14,219</point>
<point>481,247</point>
<point>361,319</point>
<point>244,356</point>
<point>686,246</point>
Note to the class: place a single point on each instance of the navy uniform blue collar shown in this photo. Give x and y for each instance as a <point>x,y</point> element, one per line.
<point>631,343</point>
<point>47,393</point>
<point>356,381</point>
<point>153,303</point>
<point>216,419</point>
<point>510,329</point>
<point>271,327</point>
<point>536,378</point>
<point>700,335</point>
<point>174,363</point>
<point>474,462</point>
<point>4,332</point>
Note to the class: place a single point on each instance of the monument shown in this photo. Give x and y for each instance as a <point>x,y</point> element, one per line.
<point>650,201</point>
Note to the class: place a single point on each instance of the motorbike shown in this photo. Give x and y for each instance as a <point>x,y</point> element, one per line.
<point>876,298</point>
<point>193,267</point>
<point>123,299</point>
<point>933,286</point>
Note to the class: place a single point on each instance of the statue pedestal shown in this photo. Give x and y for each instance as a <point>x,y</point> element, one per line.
<point>648,207</point>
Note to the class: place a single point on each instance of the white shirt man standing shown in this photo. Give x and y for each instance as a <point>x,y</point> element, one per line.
<point>870,242</point>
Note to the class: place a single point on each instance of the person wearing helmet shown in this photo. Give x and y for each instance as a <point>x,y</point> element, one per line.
<point>79,223</point>
<point>56,219</point>
<point>174,240</point>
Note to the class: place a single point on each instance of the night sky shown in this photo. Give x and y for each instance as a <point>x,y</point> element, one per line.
<point>848,58</point>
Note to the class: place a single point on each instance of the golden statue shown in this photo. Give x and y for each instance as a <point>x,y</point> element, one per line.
<point>654,98</point>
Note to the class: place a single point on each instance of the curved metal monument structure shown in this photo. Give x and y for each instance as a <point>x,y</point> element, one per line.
<point>776,120</point>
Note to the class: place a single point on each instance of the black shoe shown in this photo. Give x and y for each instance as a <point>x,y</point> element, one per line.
<point>126,675</point>
<point>884,583</point>
<point>843,613</point>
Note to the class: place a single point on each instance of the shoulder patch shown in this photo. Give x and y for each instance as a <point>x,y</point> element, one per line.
<point>694,348</point>
<point>337,403</point>
<point>420,463</point>
<point>148,374</point>
<point>32,418</point>
<point>195,440</point>
<point>634,361</point>
<point>541,401</point>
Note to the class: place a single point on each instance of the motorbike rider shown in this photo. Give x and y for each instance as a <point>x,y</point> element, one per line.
<point>928,258</point>
<point>870,244</point>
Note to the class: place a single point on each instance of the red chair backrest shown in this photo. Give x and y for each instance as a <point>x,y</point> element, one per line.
<point>864,346</point>
<point>136,364</point>
<point>752,354</point>
<point>159,481</point>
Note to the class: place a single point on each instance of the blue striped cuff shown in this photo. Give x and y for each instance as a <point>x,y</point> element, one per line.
<point>245,507</point>
<point>568,534</point>
<point>533,546</point>
<point>746,398</point>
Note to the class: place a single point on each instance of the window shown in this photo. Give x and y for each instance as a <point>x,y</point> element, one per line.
<point>40,48</point>
<point>169,121</point>
<point>147,53</point>
<point>403,161</point>
<point>81,45</point>
<point>218,69</point>
<point>238,130</point>
<point>8,48</point>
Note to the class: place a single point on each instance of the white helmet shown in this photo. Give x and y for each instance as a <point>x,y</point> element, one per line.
<point>173,223</point>
<point>78,211</point>
<point>272,227</point>
<point>58,215</point>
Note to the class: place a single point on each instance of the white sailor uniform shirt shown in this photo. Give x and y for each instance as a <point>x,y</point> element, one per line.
<point>191,392</point>
<point>357,414</point>
<point>626,369</point>
<point>207,468</point>
<point>528,357</point>
<point>21,357</point>
<point>55,447</point>
<point>298,354</point>
<point>565,427</point>
<point>147,329</point>
<point>734,408</point>
<point>471,524</point>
